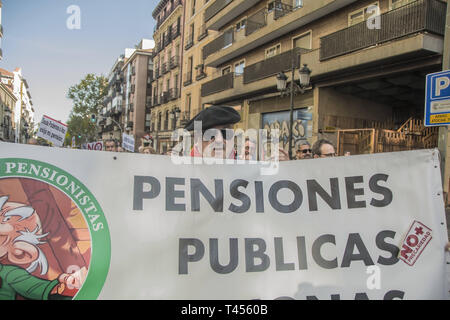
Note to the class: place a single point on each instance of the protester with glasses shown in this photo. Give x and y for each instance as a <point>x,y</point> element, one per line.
<point>323,149</point>
<point>304,151</point>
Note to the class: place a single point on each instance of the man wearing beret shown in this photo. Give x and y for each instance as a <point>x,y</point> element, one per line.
<point>215,137</point>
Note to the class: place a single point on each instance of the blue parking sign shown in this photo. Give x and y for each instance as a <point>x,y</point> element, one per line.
<point>437,100</point>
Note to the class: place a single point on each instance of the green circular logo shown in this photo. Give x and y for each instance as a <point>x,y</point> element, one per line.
<point>62,231</point>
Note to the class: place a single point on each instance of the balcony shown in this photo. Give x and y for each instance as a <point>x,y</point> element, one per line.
<point>176,32</point>
<point>419,16</point>
<point>267,26</point>
<point>174,62</point>
<point>271,67</point>
<point>156,100</point>
<point>189,41</point>
<point>256,21</point>
<point>228,9</point>
<point>173,94</point>
<point>165,68</point>
<point>202,33</point>
<point>280,9</point>
<point>167,14</point>
<point>165,97</point>
<point>157,73</point>
<point>167,39</point>
<point>200,72</point>
<point>187,78</point>
<point>223,41</point>
<point>222,83</point>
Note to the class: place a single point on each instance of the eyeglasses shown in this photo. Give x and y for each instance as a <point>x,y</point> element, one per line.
<point>305,151</point>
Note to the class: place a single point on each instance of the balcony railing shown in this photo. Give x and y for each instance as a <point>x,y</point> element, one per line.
<point>173,93</point>
<point>200,72</point>
<point>174,62</point>
<point>167,39</point>
<point>165,68</point>
<point>165,97</point>
<point>176,3</point>
<point>187,78</point>
<point>256,21</point>
<point>280,9</point>
<point>189,41</point>
<point>215,8</point>
<point>418,16</point>
<point>272,66</point>
<point>222,83</point>
<point>156,100</point>
<point>202,32</point>
<point>176,32</point>
<point>223,41</point>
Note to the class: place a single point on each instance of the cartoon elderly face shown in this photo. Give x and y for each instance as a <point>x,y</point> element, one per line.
<point>20,236</point>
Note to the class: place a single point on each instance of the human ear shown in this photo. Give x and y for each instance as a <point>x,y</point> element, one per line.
<point>22,253</point>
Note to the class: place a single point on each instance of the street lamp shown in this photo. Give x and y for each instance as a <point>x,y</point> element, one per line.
<point>174,115</point>
<point>305,80</point>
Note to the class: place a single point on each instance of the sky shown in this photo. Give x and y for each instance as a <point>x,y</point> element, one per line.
<point>53,57</point>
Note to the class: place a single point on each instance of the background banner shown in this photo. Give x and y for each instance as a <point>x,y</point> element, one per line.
<point>140,227</point>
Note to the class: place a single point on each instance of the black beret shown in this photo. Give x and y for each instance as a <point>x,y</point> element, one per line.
<point>214,116</point>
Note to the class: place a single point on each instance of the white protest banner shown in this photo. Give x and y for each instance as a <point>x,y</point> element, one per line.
<point>52,131</point>
<point>128,142</point>
<point>96,146</point>
<point>140,227</point>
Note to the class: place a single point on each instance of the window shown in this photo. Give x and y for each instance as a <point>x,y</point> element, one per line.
<point>273,51</point>
<point>298,4</point>
<point>399,3</point>
<point>241,25</point>
<point>226,70</point>
<point>191,33</point>
<point>362,14</point>
<point>188,103</point>
<point>239,68</point>
<point>303,41</point>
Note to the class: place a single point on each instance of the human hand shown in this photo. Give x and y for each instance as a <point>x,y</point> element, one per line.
<point>73,280</point>
<point>283,155</point>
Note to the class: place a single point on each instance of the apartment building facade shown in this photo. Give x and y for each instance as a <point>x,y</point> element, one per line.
<point>165,107</point>
<point>23,111</point>
<point>1,31</point>
<point>7,104</point>
<point>126,107</point>
<point>138,71</point>
<point>197,36</point>
<point>111,121</point>
<point>368,60</point>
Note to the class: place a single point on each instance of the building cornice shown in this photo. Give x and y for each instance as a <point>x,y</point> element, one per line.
<point>159,7</point>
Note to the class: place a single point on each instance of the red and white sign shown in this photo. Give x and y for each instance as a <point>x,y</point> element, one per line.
<point>96,146</point>
<point>415,242</point>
